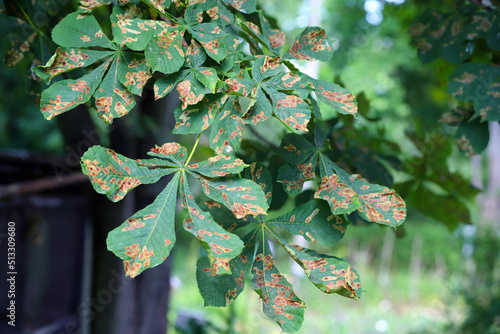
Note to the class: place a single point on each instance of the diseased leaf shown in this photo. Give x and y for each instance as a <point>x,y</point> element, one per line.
<point>314,221</point>
<point>164,52</point>
<point>227,129</point>
<point>291,109</point>
<point>378,204</point>
<point>225,217</point>
<point>65,95</point>
<point>472,137</point>
<point>247,6</point>
<point>335,96</point>
<point>243,197</point>
<point>456,47</point>
<point>191,91</point>
<point>114,175</point>
<point>76,31</point>
<point>480,84</point>
<point>133,32</point>
<point>295,149</point>
<point>171,151</point>
<point>112,99</point>
<point>86,6</point>
<point>196,118</point>
<point>145,240</point>
<point>294,176</point>
<point>160,5</point>
<point>218,166</point>
<point>340,197</point>
<point>219,13</point>
<point>427,33</point>
<point>221,245</point>
<point>312,44</point>
<point>328,273</point>
<point>279,300</point>
<point>65,60</point>
<point>208,77</point>
<point>165,85</point>
<point>221,290</point>
<point>260,175</point>
<point>261,109</point>
<point>133,72</point>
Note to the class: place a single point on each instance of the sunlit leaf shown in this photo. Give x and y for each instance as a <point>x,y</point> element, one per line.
<point>171,151</point>
<point>247,6</point>
<point>164,52</point>
<point>133,72</point>
<point>220,244</point>
<point>65,60</point>
<point>145,240</point>
<point>65,95</point>
<point>114,175</point>
<point>243,197</point>
<point>218,166</point>
<point>312,44</point>
<point>112,99</point>
<point>279,300</point>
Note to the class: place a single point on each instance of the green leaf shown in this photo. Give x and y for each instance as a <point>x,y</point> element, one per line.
<point>247,6</point>
<point>218,166</point>
<point>340,197</point>
<point>227,129</point>
<point>294,176</point>
<point>295,149</point>
<point>133,72</point>
<point>311,44</point>
<point>135,33</point>
<point>328,273</point>
<point>165,85</point>
<point>191,91</point>
<point>335,96</point>
<point>65,95</point>
<point>314,221</point>
<point>220,244</point>
<point>171,151</point>
<point>219,13</point>
<point>378,204</point>
<point>208,77</point>
<point>472,137</point>
<point>145,240</point>
<point>65,60</point>
<point>456,48</point>
<point>114,175</point>
<point>243,197</point>
<point>291,109</point>
<point>279,300</point>
<point>112,99</point>
<point>196,118</point>
<point>164,52</point>
<point>221,290</point>
<point>260,175</point>
<point>160,5</point>
<point>76,31</point>
<point>210,36</point>
<point>427,32</point>
<point>493,35</point>
<point>478,83</point>
<point>271,38</point>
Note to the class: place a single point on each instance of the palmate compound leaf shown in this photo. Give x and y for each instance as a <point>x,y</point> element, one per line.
<point>112,83</point>
<point>221,245</point>
<point>144,240</point>
<point>279,300</point>
<point>114,175</point>
<point>343,192</point>
<point>328,273</point>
